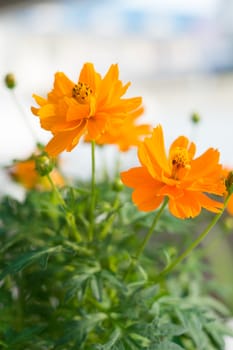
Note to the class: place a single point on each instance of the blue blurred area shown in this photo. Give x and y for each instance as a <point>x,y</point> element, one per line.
<point>199,34</point>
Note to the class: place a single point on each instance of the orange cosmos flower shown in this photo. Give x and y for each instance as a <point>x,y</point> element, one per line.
<point>184,180</point>
<point>24,172</point>
<point>88,107</point>
<point>126,133</point>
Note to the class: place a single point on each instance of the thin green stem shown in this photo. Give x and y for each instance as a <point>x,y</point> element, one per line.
<point>110,219</point>
<point>22,113</point>
<point>93,193</point>
<point>69,215</point>
<point>56,191</point>
<point>147,237</point>
<point>193,245</point>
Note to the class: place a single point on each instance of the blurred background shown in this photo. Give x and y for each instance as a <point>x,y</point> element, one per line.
<point>178,55</point>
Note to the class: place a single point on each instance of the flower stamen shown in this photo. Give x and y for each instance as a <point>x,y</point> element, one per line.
<point>81,92</point>
<point>180,162</point>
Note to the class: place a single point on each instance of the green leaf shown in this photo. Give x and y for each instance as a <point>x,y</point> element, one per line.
<point>23,336</point>
<point>217,333</point>
<point>113,280</point>
<point>77,284</point>
<point>213,304</point>
<point>96,287</point>
<point>113,339</point>
<point>192,320</point>
<point>141,340</point>
<point>30,258</point>
<point>171,329</point>
<point>166,345</point>
<point>149,292</point>
<point>3,344</point>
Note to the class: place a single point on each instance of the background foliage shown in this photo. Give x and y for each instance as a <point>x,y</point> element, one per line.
<point>60,291</point>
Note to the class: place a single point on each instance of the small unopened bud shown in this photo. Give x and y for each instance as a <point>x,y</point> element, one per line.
<point>117,185</point>
<point>44,164</point>
<point>195,118</point>
<point>229,182</point>
<point>10,81</point>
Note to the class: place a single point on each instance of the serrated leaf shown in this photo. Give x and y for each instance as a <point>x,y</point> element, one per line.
<point>77,283</point>
<point>171,329</point>
<point>216,335</point>
<point>149,292</point>
<point>167,345</point>
<point>114,337</point>
<point>114,281</point>
<point>213,304</point>
<point>193,322</point>
<point>76,331</point>
<point>28,259</point>
<point>141,340</point>
<point>25,335</point>
<point>96,287</point>
<point>43,261</point>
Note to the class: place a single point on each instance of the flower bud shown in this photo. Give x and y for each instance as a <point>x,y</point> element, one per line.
<point>117,185</point>
<point>44,164</point>
<point>229,182</point>
<point>195,118</point>
<point>10,81</point>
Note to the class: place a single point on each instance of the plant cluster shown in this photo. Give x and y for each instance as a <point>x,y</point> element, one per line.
<point>95,265</point>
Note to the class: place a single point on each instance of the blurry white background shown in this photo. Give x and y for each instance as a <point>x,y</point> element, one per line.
<point>177,54</point>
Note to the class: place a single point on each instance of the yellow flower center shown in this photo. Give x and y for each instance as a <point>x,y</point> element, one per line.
<point>81,92</point>
<point>180,162</point>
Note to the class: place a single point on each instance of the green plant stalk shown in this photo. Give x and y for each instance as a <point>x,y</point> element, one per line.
<point>193,245</point>
<point>110,220</point>
<point>69,215</point>
<point>56,191</point>
<point>93,193</point>
<point>147,237</point>
<point>22,113</point>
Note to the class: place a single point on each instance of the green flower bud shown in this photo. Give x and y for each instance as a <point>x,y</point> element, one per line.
<point>10,81</point>
<point>229,182</point>
<point>44,164</point>
<point>117,185</point>
<point>195,118</point>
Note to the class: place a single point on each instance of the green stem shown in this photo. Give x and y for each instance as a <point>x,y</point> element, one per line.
<point>147,237</point>
<point>193,245</point>
<point>56,191</point>
<point>69,215</point>
<point>92,205</point>
<point>110,219</point>
<point>22,113</point>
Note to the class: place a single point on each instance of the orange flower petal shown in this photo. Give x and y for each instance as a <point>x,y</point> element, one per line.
<point>62,87</point>
<point>77,111</point>
<point>46,111</point>
<point>152,155</point>
<point>145,188</point>
<point>66,140</point>
<point>186,206</point>
<point>89,76</point>
<point>205,164</point>
<point>39,100</point>
<point>95,127</point>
